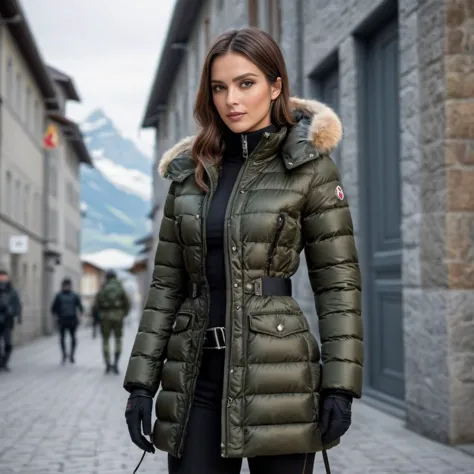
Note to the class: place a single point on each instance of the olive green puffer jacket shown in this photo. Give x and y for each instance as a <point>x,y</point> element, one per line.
<point>287,198</point>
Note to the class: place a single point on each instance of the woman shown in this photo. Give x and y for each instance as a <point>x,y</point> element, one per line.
<point>239,369</point>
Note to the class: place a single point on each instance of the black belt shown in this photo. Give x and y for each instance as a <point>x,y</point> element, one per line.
<point>270,286</point>
<point>265,286</point>
<point>214,338</point>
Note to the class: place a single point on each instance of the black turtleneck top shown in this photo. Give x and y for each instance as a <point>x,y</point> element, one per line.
<point>209,384</point>
<point>232,161</point>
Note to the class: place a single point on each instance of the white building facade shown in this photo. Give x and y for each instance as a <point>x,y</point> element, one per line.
<point>30,101</point>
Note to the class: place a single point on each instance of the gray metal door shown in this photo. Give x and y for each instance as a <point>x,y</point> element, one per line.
<point>380,188</point>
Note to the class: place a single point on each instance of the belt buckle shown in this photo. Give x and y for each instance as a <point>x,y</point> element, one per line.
<point>258,287</point>
<point>221,331</point>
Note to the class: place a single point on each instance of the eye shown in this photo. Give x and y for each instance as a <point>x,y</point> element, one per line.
<point>217,88</point>
<point>246,84</point>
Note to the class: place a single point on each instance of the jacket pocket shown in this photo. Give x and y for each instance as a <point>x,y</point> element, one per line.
<point>278,324</point>
<point>273,247</point>
<point>182,321</point>
<point>179,344</point>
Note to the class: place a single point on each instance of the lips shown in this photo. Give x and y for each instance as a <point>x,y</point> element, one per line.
<point>235,114</point>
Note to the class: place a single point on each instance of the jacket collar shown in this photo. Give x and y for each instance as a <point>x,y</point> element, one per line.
<point>318,131</point>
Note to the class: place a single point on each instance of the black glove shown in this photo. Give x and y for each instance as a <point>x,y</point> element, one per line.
<point>336,416</point>
<point>138,411</point>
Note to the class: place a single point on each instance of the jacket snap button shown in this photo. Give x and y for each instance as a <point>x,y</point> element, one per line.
<point>234,249</point>
<point>197,216</point>
<point>280,328</point>
<point>249,286</point>
<point>311,155</point>
<point>290,163</point>
<point>237,307</point>
<point>242,191</point>
<point>236,285</point>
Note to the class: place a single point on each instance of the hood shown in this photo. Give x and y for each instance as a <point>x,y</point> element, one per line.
<point>317,124</point>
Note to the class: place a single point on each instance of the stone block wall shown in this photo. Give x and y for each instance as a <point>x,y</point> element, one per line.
<point>439,307</point>
<point>459,257</point>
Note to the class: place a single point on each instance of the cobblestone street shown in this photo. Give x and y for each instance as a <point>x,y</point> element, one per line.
<point>69,419</point>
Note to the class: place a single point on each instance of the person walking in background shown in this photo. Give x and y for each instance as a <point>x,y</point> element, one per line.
<point>95,321</point>
<point>112,305</point>
<point>65,307</point>
<point>10,308</point>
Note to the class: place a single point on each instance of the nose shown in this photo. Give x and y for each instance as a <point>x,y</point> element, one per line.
<point>231,98</point>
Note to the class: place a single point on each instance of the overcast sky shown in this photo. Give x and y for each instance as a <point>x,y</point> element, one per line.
<point>110,48</point>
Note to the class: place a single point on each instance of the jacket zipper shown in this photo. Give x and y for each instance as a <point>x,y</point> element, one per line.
<point>206,204</point>
<point>229,302</point>
<point>273,247</point>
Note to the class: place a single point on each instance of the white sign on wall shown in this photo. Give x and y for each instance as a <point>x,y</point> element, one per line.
<point>18,244</point>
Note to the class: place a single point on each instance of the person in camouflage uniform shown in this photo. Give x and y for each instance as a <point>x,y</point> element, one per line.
<point>112,304</point>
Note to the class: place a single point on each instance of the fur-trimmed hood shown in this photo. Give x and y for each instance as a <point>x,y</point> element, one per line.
<point>320,124</point>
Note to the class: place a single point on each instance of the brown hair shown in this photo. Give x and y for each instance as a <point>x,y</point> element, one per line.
<point>260,48</point>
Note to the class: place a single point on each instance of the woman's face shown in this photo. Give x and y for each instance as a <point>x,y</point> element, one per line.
<point>241,93</point>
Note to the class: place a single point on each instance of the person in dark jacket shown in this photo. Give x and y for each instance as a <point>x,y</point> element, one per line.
<point>10,308</point>
<point>241,374</point>
<point>112,305</point>
<point>65,308</point>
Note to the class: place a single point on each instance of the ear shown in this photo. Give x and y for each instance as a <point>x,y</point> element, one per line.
<point>275,88</point>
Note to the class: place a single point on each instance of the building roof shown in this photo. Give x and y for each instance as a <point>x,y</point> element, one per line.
<point>66,82</point>
<point>139,266</point>
<point>93,265</point>
<point>179,31</point>
<point>74,136</point>
<point>21,33</point>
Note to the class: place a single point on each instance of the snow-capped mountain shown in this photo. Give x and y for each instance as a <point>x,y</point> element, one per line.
<point>116,193</point>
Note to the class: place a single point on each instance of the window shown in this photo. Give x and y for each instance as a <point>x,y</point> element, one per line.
<point>207,32</point>
<point>53,225</point>
<point>24,284</point>
<point>177,124</point>
<point>274,19</point>
<point>27,108</point>
<point>10,90</point>
<point>53,176</point>
<point>26,204</point>
<point>17,199</point>
<point>253,12</point>
<point>34,287</point>
<point>39,213</point>
<point>38,119</point>
<point>8,194</point>
<point>18,92</point>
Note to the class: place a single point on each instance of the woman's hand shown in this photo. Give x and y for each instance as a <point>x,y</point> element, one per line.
<point>336,416</point>
<point>138,412</point>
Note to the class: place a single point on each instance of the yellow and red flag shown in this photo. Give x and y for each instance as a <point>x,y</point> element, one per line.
<point>50,139</point>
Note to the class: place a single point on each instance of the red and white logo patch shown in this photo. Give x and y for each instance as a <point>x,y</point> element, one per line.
<point>339,193</point>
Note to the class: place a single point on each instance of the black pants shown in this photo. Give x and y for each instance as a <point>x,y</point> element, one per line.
<point>6,342</point>
<point>202,452</point>
<point>71,328</point>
